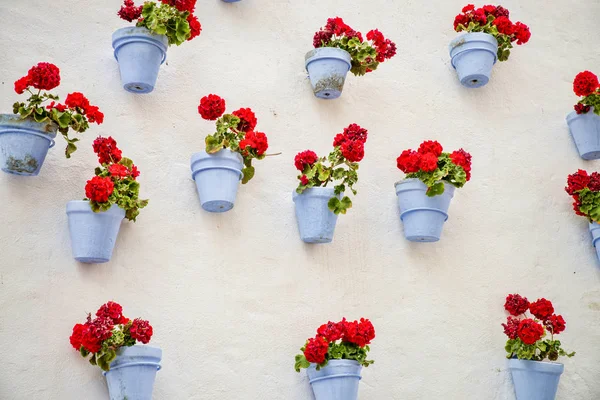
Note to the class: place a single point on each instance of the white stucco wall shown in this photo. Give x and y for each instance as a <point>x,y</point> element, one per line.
<point>232,297</point>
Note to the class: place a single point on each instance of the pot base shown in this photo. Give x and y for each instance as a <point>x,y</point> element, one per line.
<point>138,87</point>
<point>92,260</point>
<point>217,206</point>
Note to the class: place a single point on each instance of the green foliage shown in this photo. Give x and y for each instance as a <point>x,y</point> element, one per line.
<point>504,41</point>
<point>446,171</point>
<point>337,351</point>
<point>167,20</point>
<point>593,100</point>
<point>539,351</point>
<point>589,203</point>
<point>363,55</point>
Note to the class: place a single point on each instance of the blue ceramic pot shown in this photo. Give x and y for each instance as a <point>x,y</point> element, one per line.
<point>316,222</point>
<point>535,380</point>
<point>473,56</point>
<point>585,131</point>
<point>337,381</point>
<point>423,216</point>
<point>217,178</point>
<point>139,54</point>
<point>93,235</point>
<point>24,144</point>
<point>595,232</point>
<point>327,69</point>
<point>133,372</point>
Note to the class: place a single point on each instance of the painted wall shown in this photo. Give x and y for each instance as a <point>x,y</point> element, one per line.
<point>232,297</point>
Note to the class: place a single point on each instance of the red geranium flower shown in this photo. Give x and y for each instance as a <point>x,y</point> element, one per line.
<point>431,146</point>
<point>107,150</point>
<point>585,83</point>
<point>594,184</point>
<point>556,324</point>
<point>304,158</point>
<point>112,311</point>
<point>522,33</point>
<point>322,38</point>
<point>211,107</point>
<point>182,5</point>
<point>77,100</point>
<point>516,305</point>
<point>428,162</point>
<point>256,141</point>
<point>504,25</point>
<point>58,106</point>
<point>331,331</point>
<point>44,76</point>
<point>468,7</point>
<point>99,189</point>
<point>530,331</point>
<point>315,350</point>
<point>355,133</point>
<point>129,11</point>
<point>462,159</point>
<point>141,330</point>
<point>489,9</point>
<point>511,327</point>
<point>541,309</point>
<point>360,333</point>
<point>195,27</point>
<point>22,84</point>
<point>247,119</point>
<point>118,170</point>
<point>353,151</point>
<point>577,181</point>
<point>581,108</point>
<point>77,336</point>
<point>304,180</point>
<point>408,162</point>
<point>501,12</point>
<point>461,19</point>
<point>134,172</point>
<point>339,139</point>
<point>95,332</point>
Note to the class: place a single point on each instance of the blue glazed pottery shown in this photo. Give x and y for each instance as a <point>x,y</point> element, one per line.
<point>217,178</point>
<point>337,381</point>
<point>139,54</point>
<point>133,372</point>
<point>534,380</point>
<point>423,216</point>
<point>585,131</point>
<point>595,231</point>
<point>24,144</point>
<point>93,235</point>
<point>327,69</point>
<point>316,222</point>
<point>473,56</point>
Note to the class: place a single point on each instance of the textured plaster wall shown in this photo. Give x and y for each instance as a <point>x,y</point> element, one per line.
<point>232,297</point>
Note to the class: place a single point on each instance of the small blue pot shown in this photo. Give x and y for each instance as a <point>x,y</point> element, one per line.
<point>595,232</point>
<point>473,56</point>
<point>133,372</point>
<point>316,222</point>
<point>534,380</point>
<point>24,144</point>
<point>327,69</point>
<point>93,235</point>
<point>423,216</point>
<point>337,381</point>
<point>585,131</point>
<point>139,54</point>
<point>217,178</point>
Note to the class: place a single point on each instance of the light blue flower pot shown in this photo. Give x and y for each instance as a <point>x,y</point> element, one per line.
<point>24,144</point>
<point>534,380</point>
<point>473,56</point>
<point>327,69</point>
<point>139,54</point>
<point>316,222</point>
<point>217,178</point>
<point>93,235</point>
<point>585,131</point>
<point>595,232</point>
<point>337,381</point>
<point>133,372</point>
<point>423,216</point>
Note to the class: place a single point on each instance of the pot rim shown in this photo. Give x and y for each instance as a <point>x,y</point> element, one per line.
<point>83,206</point>
<point>29,125</point>
<point>573,115</point>
<point>341,55</point>
<point>316,192</point>
<point>538,366</point>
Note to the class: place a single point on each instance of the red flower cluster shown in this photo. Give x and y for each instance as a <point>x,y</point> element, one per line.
<point>129,11</point>
<point>78,102</point>
<point>99,189</point>
<point>499,16</point>
<point>581,108</point>
<point>386,49</point>
<point>211,107</point>
<point>353,151</point>
<point>141,330</point>
<point>107,150</point>
<point>112,311</point>
<point>247,119</point>
<point>58,106</point>
<point>579,181</point>
<point>195,27</point>
<point>182,5</point>
<point>43,76</point>
<point>541,309</point>
<point>516,305</point>
<point>256,141</point>
<point>427,157</point>
<point>528,329</point>
<point>511,328</point>
<point>585,83</point>
<point>304,158</point>
<point>352,142</point>
<point>462,159</point>
<point>359,333</point>
<point>334,27</point>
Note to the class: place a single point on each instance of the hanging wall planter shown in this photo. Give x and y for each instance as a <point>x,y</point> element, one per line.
<point>228,155</point>
<point>140,50</point>
<point>28,134</point>
<point>339,49</point>
<point>110,340</point>
<point>317,206</point>
<point>531,329</point>
<point>334,358</point>
<point>584,189</point>
<point>424,195</point>
<point>111,196</point>
<point>488,38</point>
<point>584,122</point>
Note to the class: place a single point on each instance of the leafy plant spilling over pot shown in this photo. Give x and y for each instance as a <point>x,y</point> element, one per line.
<point>339,168</point>
<point>110,330</point>
<point>76,113</point>
<point>173,18</point>
<point>342,340</point>
<point>495,21</point>
<point>531,330</point>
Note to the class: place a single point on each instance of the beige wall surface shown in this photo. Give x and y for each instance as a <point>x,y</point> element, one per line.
<point>232,297</point>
